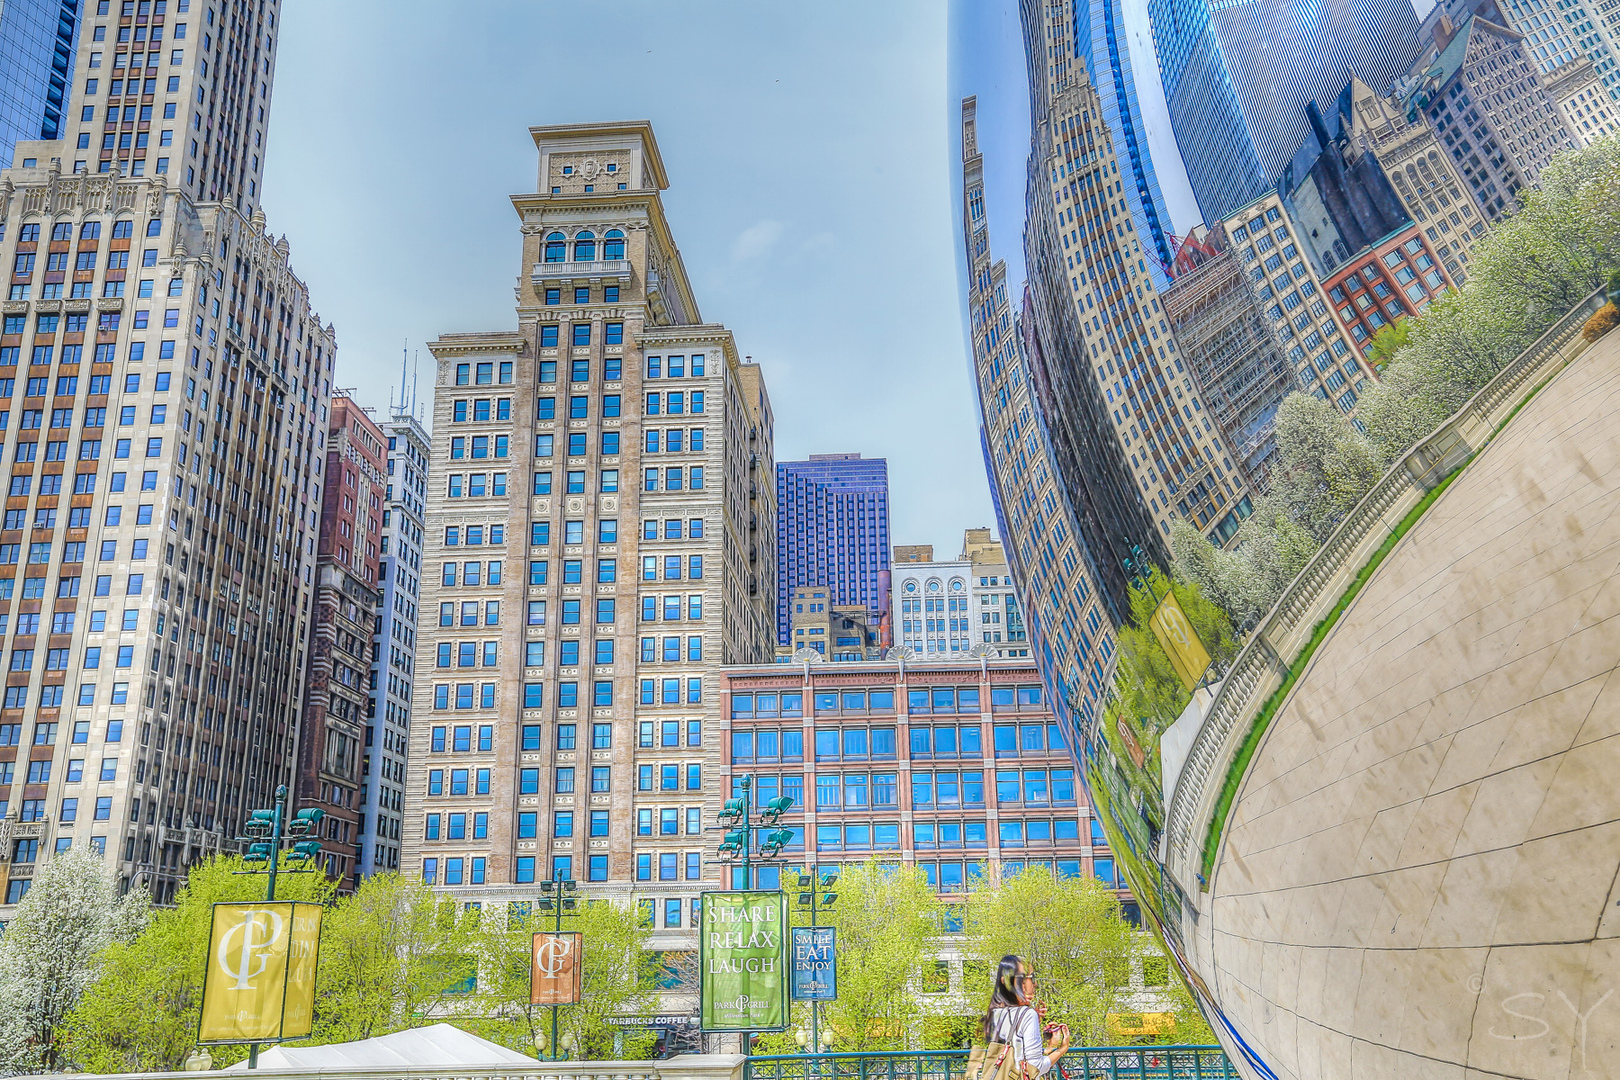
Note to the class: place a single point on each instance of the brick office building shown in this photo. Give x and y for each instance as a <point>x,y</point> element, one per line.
<point>337,698</point>
<point>959,768</point>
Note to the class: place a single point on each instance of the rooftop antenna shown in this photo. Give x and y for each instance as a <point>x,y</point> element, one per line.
<point>416,375</point>
<point>404,357</point>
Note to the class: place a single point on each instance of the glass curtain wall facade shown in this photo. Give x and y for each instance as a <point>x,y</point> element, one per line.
<point>832,530</point>
<point>37,39</point>
<point>1237,78</point>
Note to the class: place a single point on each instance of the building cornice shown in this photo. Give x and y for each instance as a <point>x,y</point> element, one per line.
<point>467,344</point>
<point>691,334</point>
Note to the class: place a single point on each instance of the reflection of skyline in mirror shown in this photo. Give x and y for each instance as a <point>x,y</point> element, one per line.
<point>1130,353</point>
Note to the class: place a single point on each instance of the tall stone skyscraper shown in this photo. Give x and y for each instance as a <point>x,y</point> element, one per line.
<point>177,88</point>
<point>600,540</point>
<point>832,529</point>
<point>164,390</point>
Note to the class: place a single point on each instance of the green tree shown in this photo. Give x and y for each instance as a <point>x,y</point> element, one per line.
<point>141,1014</point>
<point>1325,465</point>
<point>51,952</point>
<point>1528,272</point>
<point>393,956</point>
<point>886,916</point>
<point>619,979</point>
<point>1070,932</point>
<point>1387,342</point>
<point>1148,687</point>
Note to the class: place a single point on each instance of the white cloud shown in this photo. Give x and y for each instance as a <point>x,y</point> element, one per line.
<point>756,240</point>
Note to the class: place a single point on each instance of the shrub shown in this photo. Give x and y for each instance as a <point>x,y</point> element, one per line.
<point>1606,319</point>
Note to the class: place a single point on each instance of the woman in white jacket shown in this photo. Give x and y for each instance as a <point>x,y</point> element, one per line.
<point>1014,1019</point>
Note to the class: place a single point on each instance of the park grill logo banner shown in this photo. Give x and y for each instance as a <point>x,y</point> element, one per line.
<point>742,954</point>
<point>556,972</point>
<point>1179,641</point>
<point>815,963</point>
<point>259,985</point>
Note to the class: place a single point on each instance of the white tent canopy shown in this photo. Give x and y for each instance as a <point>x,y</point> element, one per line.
<point>439,1045</point>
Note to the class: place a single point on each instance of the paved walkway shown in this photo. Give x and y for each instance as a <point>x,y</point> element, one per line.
<point>1420,874</point>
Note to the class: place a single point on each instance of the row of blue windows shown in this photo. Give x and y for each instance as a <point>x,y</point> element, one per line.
<point>479,410</point>
<point>454,868</point>
<point>676,478</point>
<point>579,333</point>
<point>45,732</point>
<point>460,738</point>
<point>668,691</point>
<point>30,810</point>
<point>607,532</point>
<point>668,733</point>
<point>1008,740</point>
<point>669,862</point>
<point>455,826</point>
<point>462,782</point>
<point>574,481</point>
<point>674,403</point>
<point>545,445</point>
<point>672,608</point>
<point>468,653</point>
<point>473,535</point>
<point>582,295</point>
<point>556,249</point>
<point>39,772</point>
<point>674,440</point>
<point>579,408</point>
<point>68,385</point>
<point>579,369</point>
<point>672,567</point>
<point>481,446</point>
<point>485,374</point>
<point>674,367</point>
<point>473,573</point>
<point>672,529</point>
<point>671,651</point>
<point>475,485</point>
<point>939,699</point>
<point>467,696</point>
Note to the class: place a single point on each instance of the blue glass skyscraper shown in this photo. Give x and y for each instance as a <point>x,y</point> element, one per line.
<point>37,39</point>
<point>1099,40</point>
<point>832,529</point>
<point>1238,76</point>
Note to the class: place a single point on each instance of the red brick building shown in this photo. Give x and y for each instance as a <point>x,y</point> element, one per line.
<point>336,701</point>
<point>959,768</point>
<point>1398,276</point>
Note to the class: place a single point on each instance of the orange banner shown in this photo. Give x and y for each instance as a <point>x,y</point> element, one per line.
<point>557,969</point>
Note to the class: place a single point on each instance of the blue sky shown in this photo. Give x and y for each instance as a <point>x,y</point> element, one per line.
<point>812,156</point>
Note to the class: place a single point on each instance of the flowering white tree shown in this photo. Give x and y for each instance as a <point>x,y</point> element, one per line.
<point>1533,267</point>
<point>51,952</point>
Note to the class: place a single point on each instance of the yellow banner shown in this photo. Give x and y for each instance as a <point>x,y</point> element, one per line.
<point>303,950</point>
<point>1179,641</point>
<point>260,981</point>
<point>1125,1025</point>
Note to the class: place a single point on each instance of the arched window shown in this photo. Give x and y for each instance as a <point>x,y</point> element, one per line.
<point>613,244</point>
<point>585,247</point>
<point>556,248</point>
<point>933,585</point>
<point>956,585</point>
<point>911,585</point>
